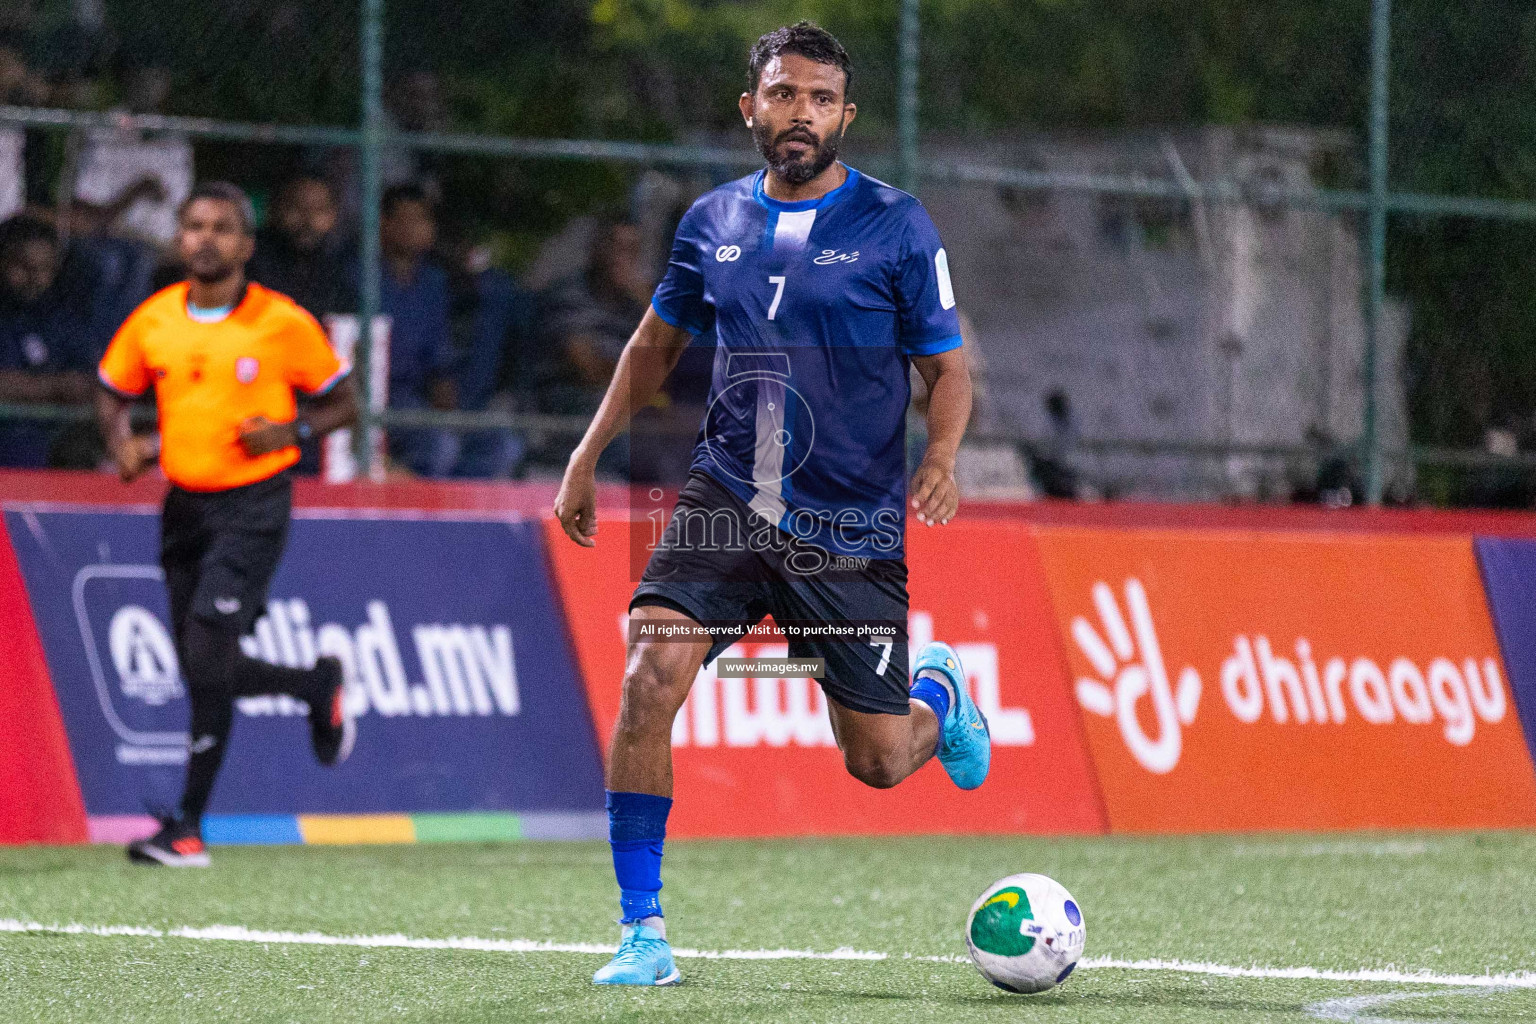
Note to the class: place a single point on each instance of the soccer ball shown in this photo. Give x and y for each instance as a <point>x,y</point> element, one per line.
<point>1025,933</point>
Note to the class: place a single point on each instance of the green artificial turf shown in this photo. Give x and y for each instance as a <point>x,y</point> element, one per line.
<point>1447,904</point>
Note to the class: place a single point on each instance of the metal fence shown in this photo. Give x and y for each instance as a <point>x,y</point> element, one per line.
<point>372,135</point>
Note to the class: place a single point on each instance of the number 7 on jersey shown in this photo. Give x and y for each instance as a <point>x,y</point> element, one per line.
<point>777,280</point>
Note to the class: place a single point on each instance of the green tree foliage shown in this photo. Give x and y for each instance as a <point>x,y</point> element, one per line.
<point>1463,94</point>
<point>1464,122</point>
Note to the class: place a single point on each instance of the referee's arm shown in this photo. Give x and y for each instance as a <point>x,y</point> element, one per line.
<point>130,453</point>
<point>333,410</point>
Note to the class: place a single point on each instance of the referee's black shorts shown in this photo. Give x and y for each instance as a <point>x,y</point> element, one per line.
<point>219,550</point>
<point>702,568</point>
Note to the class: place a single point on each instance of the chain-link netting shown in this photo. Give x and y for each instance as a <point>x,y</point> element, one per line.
<point>1160,299</point>
<point>1463,122</point>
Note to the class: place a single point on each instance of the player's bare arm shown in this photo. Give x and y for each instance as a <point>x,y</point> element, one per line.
<point>935,498</point>
<point>131,453</point>
<point>653,350</point>
<point>336,409</point>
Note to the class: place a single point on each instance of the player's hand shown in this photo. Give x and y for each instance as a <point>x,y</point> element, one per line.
<point>935,497</point>
<point>576,504</point>
<point>260,436</point>
<point>133,457</point>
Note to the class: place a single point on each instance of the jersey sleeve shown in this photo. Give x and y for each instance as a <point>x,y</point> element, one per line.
<point>925,300</point>
<point>679,298</point>
<point>122,368</point>
<point>312,365</point>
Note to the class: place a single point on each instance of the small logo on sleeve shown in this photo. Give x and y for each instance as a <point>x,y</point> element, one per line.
<point>941,271</point>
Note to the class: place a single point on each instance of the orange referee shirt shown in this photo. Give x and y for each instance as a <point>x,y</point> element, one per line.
<point>211,377</point>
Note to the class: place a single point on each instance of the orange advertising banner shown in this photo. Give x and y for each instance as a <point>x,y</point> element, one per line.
<point>1233,681</point>
<point>756,757</point>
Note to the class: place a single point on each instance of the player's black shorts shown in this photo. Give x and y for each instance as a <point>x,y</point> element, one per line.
<point>704,568</point>
<point>220,548</point>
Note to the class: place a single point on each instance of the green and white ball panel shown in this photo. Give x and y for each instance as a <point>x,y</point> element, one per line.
<point>1025,933</point>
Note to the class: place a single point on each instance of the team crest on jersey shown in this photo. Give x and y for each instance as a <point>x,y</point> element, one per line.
<point>246,368</point>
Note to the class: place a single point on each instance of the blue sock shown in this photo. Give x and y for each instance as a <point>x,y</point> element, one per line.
<point>637,827</point>
<point>936,695</point>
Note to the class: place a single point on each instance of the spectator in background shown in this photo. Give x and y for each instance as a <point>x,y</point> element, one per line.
<point>13,175</point>
<point>413,293</point>
<point>45,350</point>
<point>491,322</point>
<point>102,279</point>
<point>15,77</point>
<point>21,151</point>
<point>1500,485</point>
<point>413,102</point>
<point>1055,467</point>
<point>587,320</point>
<point>299,251</point>
<point>136,181</point>
<point>1332,481</point>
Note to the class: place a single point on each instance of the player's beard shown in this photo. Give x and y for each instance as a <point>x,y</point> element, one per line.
<point>799,170</point>
<point>208,267</point>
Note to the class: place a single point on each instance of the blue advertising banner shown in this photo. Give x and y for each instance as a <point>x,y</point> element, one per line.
<point>1509,576</point>
<point>457,662</point>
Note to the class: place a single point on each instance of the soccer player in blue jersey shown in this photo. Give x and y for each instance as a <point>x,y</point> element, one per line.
<point>822,285</point>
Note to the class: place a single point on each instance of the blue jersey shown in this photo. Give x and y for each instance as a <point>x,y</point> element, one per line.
<point>817,308</point>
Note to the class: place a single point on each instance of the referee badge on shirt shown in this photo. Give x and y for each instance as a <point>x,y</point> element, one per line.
<point>246,368</point>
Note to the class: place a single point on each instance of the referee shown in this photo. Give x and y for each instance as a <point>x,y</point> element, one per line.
<point>225,357</point>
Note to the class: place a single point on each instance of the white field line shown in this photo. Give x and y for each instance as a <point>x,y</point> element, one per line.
<point>238,933</point>
<point>1352,1009</point>
<point>1335,848</point>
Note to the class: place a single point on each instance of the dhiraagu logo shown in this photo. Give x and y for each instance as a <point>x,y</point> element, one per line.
<point>1000,925</point>
<point>1285,679</point>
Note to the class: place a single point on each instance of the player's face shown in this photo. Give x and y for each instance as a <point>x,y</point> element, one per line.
<point>798,115</point>
<point>212,241</point>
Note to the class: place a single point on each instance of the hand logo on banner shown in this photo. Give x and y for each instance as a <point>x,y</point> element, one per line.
<point>1133,678</point>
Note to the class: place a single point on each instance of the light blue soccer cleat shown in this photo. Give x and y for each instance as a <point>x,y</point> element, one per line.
<point>965,742</point>
<point>644,958</point>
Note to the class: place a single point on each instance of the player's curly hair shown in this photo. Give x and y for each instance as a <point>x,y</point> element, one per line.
<point>805,38</point>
